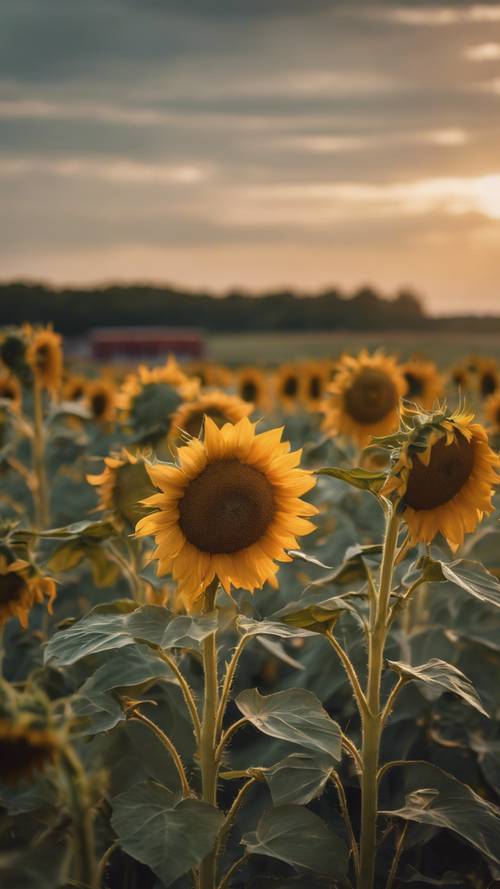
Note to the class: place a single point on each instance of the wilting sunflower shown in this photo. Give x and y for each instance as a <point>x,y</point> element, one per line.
<point>444,477</point>
<point>424,383</point>
<point>10,390</point>
<point>101,400</point>
<point>316,377</point>
<point>253,386</point>
<point>488,378</point>
<point>364,398</point>
<point>123,484</point>
<point>75,388</point>
<point>220,407</point>
<point>29,742</point>
<point>21,589</point>
<point>230,509</point>
<point>289,379</point>
<point>44,356</point>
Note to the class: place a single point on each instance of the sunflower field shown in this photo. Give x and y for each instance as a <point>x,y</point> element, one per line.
<point>250,626</point>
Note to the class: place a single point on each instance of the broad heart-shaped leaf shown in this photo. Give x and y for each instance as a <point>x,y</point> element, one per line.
<point>445,676</point>
<point>314,612</point>
<point>169,835</point>
<point>470,576</point>
<point>103,630</point>
<point>299,778</point>
<point>96,712</point>
<point>251,627</point>
<point>437,798</point>
<point>128,667</point>
<point>299,837</point>
<point>364,479</point>
<point>294,715</point>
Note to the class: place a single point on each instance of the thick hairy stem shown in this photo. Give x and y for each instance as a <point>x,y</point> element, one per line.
<point>170,746</point>
<point>84,860</point>
<point>208,736</point>
<point>186,692</point>
<point>228,734</point>
<point>372,721</point>
<point>228,681</point>
<point>41,493</point>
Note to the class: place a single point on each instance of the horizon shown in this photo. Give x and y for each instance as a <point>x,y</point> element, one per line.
<point>278,146</point>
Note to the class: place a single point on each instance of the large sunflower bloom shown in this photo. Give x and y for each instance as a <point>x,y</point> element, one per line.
<point>424,383</point>
<point>169,374</point>
<point>230,509</point>
<point>123,484</point>
<point>444,478</point>
<point>220,407</point>
<point>101,400</point>
<point>20,590</point>
<point>364,397</point>
<point>44,356</point>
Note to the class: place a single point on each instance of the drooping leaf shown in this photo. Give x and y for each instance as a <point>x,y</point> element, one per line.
<point>471,576</point>
<point>167,834</point>
<point>300,838</point>
<point>364,479</point>
<point>441,675</point>
<point>96,712</point>
<point>452,805</point>
<point>251,627</point>
<point>314,612</point>
<point>278,650</point>
<point>298,779</point>
<point>305,557</point>
<point>294,715</point>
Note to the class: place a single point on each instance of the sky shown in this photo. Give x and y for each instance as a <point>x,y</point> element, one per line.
<point>253,144</point>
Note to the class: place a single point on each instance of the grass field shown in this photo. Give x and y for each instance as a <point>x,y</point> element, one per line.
<point>273,347</point>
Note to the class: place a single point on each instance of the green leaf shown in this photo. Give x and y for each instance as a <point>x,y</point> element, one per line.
<point>294,715</point>
<point>96,712</point>
<point>128,667</point>
<point>251,627</point>
<point>103,631</point>
<point>298,779</point>
<point>314,612</point>
<point>444,676</point>
<point>440,800</point>
<point>169,835</point>
<point>364,479</point>
<point>300,838</point>
<point>97,530</point>
<point>305,557</point>
<point>470,576</point>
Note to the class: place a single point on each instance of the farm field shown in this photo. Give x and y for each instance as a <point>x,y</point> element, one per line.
<point>249,615</point>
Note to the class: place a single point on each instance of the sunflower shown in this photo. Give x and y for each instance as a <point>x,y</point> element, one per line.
<point>364,398</point>
<point>460,377</point>
<point>316,378</point>
<point>221,408</point>
<point>252,386</point>
<point>150,397</point>
<point>487,377</point>
<point>20,589</point>
<point>229,509</point>
<point>123,484</point>
<point>492,412</point>
<point>289,382</point>
<point>101,400</point>
<point>10,391</point>
<point>423,381</point>
<point>75,388</point>
<point>29,742</point>
<point>444,477</point>
<point>44,356</point>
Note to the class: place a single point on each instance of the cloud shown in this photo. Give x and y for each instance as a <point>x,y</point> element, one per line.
<point>443,15</point>
<point>483,52</point>
<point>108,169</point>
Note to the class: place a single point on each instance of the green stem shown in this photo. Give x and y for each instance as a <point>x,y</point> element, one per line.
<point>372,720</point>
<point>84,860</point>
<point>186,692</point>
<point>208,736</point>
<point>170,746</point>
<point>41,498</point>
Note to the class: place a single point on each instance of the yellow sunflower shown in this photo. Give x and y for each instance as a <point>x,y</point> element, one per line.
<point>229,509</point>
<point>364,397</point>
<point>492,412</point>
<point>75,388</point>
<point>29,742</point>
<point>253,386</point>
<point>101,400</point>
<point>444,477</point>
<point>459,377</point>
<point>488,379</point>
<point>44,356</point>
<point>123,484</point>
<point>424,383</point>
<point>289,381</point>
<point>10,390</point>
<point>169,374</point>
<point>220,407</point>
<point>20,590</point>
<point>315,381</point>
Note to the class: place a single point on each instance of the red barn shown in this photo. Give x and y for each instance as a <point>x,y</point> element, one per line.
<point>145,343</point>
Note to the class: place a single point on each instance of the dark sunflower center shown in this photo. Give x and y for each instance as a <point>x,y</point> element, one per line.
<point>77,392</point>
<point>415,385</point>
<point>227,508</point>
<point>371,397</point>
<point>449,468</point>
<point>12,588</point>
<point>315,387</point>
<point>19,757</point>
<point>194,422</point>
<point>99,404</point>
<point>290,386</point>
<point>488,384</point>
<point>248,390</point>
<point>7,392</point>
